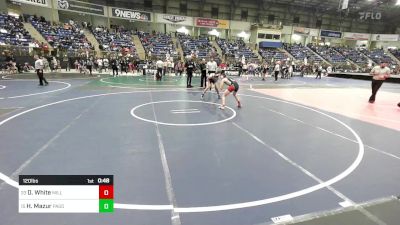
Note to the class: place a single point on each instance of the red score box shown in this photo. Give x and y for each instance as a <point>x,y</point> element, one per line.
<point>106,192</point>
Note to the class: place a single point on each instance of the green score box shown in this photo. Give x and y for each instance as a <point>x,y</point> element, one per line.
<point>106,205</point>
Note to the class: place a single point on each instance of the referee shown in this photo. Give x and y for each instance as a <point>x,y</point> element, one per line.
<point>203,69</point>
<point>190,67</point>
<point>39,66</point>
<point>212,66</point>
<point>277,68</point>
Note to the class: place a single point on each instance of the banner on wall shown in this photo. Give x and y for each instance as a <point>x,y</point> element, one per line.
<point>240,25</point>
<point>385,37</point>
<point>174,19</point>
<point>331,34</point>
<point>42,3</point>
<point>356,36</point>
<point>305,31</point>
<point>212,23</point>
<point>81,7</point>
<point>129,14</point>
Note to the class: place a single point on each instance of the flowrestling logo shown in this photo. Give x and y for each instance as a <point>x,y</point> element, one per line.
<point>63,4</point>
<point>370,15</point>
<point>131,14</point>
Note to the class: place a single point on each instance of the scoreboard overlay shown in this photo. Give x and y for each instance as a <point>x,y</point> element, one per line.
<point>66,194</point>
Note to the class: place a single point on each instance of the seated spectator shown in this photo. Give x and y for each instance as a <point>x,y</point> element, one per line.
<point>272,54</point>
<point>379,56</point>
<point>65,36</point>
<point>197,47</point>
<point>395,52</point>
<point>353,55</point>
<point>158,45</point>
<point>300,52</point>
<point>12,31</point>
<point>117,39</point>
<point>328,53</point>
<point>235,49</point>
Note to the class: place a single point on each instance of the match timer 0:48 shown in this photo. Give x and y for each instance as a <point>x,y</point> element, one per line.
<point>66,194</point>
<point>104,180</point>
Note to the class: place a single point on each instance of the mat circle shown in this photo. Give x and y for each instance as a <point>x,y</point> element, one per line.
<point>182,124</point>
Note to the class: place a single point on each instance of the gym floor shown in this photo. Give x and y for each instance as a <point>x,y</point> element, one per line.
<point>297,147</point>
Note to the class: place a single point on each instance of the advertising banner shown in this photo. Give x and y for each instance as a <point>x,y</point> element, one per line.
<point>385,37</point>
<point>174,19</point>
<point>305,31</point>
<point>81,7</point>
<point>130,14</point>
<point>356,36</point>
<point>42,3</point>
<point>212,23</point>
<point>331,34</point>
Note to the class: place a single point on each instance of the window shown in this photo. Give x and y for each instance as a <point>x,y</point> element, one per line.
<point>271,18</point>
<point>276,37</point>
<point>296,19</point>
<point>183,8</point>
<point>268,36</point>
<point>214,12</point>
<point>260,35</point>
<point>244,15</point>
<point>318,23</point>
<point>148,3</point>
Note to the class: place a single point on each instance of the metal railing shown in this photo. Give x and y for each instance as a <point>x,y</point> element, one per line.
<point>19,50</point>
<point>23,51</point>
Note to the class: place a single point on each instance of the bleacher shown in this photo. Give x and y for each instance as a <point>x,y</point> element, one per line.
<point>236,49</point>
<point>379,55</point>
<point>395,52</point>
<point>328,54</point>
<point>201,47</point>
<point>272,54</point>
<point>66,36</point>
<point>158,44</point>
<point>353,55</point>
<point>114,40</point>
<point>12,31</point>
<point>300,52</point>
